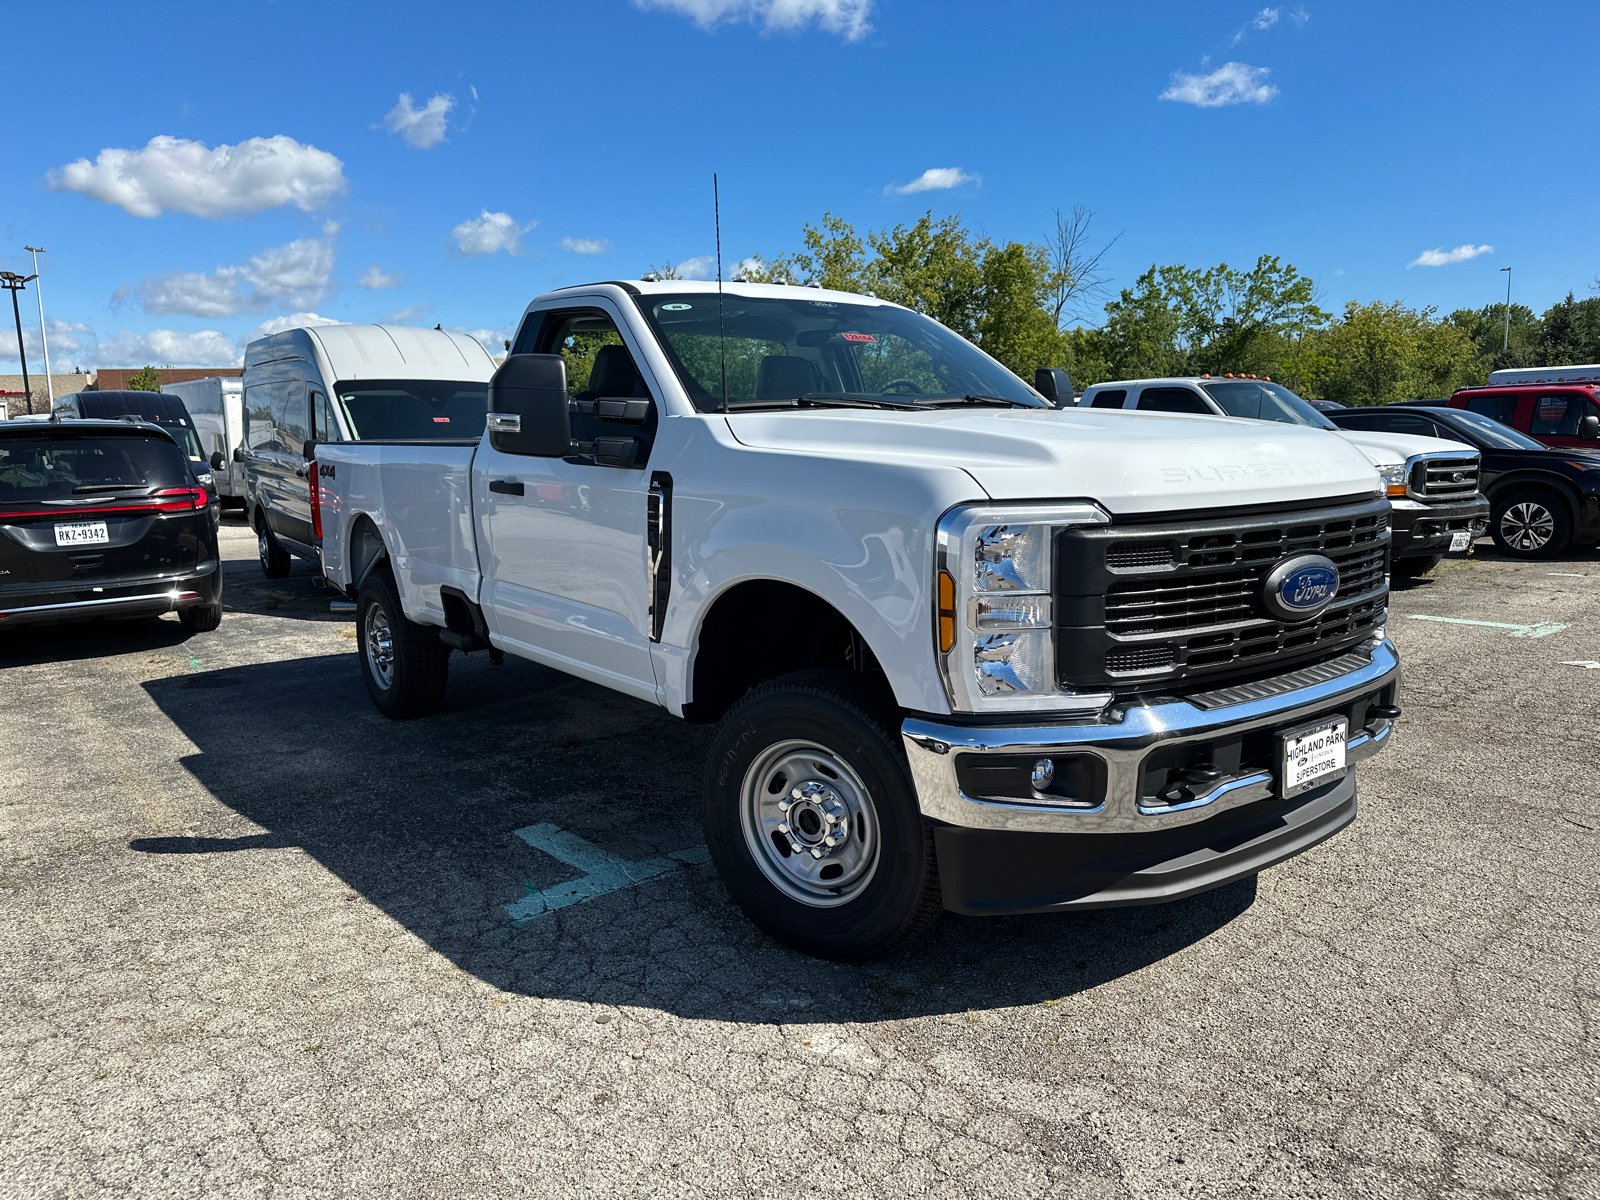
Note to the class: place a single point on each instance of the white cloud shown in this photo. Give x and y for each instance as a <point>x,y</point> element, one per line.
<point>421,127</point>
<point>71,343</point>
<point>1299,16</point>
<point>1231,83</point>
<point>168,348</point>
<point>702,266</point>
<point>1442,257</point>
<point>492,340</point>
<point>185,176</point>
<point>489,233</point>
<point>1266,18</point>
<point>298,274</point>
<point>407,316</point>
<point>300,320</point>
<point>586,245</point>
<point>331,229</point>
<point>847,18</point>
<point>934,179</point>
<point>374,277</point>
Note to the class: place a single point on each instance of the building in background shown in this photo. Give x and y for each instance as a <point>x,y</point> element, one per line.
<point>18,404</point>
<point>115,379</point>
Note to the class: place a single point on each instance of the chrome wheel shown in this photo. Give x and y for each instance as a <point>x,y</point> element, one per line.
<point>1527,526</point>
<point>810,824</point>
<point>379,642</point>
<point>262,546</point>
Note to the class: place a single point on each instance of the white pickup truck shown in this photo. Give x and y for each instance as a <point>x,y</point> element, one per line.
<point>965,651</point>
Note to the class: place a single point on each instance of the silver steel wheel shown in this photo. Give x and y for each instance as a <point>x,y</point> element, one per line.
<point>1527,526</point>
<point>262,545</point>
<point>810,824</point>
<point>380,646</point>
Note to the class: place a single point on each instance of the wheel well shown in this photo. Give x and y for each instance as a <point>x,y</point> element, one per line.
<point>366,549</point>
<point>762,629</point>
<point>1534,483</point>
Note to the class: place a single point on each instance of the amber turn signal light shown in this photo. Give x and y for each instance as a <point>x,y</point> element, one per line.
<point>947,611</point>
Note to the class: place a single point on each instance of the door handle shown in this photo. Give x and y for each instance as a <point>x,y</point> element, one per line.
<point>300,472</point>
<point>506,487</point>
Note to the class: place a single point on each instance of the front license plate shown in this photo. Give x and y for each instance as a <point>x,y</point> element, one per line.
<point>1312,756</point>
<point>1460,541</point>
<point>82,533</point>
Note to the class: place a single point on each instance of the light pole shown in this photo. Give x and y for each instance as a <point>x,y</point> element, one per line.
<point>15,283</point>
<point>1506,345</point>
<point>38,294</point>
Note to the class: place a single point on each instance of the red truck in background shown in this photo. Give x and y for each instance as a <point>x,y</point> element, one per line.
<point>1559,406</point>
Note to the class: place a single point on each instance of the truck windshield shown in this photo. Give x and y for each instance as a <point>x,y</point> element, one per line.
<point>1261,400</point>
<point>782,350</point>
<point>414,410</point>
<point>1498,436</point>
<point>37,468</point>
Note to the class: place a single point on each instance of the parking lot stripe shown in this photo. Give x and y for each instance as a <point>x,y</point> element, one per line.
<point>603,871</point>
<point>1542,629</point>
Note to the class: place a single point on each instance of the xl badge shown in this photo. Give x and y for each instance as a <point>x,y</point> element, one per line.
<point>1299,588</point>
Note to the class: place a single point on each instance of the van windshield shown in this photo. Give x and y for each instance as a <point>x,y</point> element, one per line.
<point>414,410</point>
<point>780,350</point>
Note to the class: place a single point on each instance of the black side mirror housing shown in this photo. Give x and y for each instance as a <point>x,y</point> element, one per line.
<point>216,460</point>
<point>528,407</point>
<point>1054,385</point>
<point>308,450</point>
<point>238,454</point>
<point>1589,428</point>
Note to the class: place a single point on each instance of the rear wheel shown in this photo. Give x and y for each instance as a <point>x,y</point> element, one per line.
<point>1531,524</point>
<point>812,819</point>
<point>202,618</point>
<point>403,664</point>
<point>274,558</point>
<point>1410,568</point>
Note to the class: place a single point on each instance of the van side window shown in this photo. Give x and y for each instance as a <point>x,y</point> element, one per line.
<point>289,414</point>
<point>261,432</point>
<point>1110,398</point>
<point>1496,408</point>
<point>323,427</point>
<point>1171,399</point>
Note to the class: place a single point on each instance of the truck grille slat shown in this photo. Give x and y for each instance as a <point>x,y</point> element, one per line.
<point>1445,478</point>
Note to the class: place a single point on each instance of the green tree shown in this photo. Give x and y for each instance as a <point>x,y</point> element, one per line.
<point>1569,333</point>
<point>146,379</point>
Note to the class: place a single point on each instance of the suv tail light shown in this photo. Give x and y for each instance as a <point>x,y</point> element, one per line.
<point>316,499</point>
<point>179,499</point>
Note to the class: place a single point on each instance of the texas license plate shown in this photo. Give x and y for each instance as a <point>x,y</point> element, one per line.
<point>81,533</point>
<point>1460,541</point>
<point>1312,756</point>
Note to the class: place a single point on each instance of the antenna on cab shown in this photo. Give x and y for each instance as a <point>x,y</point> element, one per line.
<point>722,332</point>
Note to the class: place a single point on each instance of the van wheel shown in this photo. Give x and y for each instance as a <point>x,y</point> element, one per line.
<point>202,618</point>
<point>1531,524</point>
<point>812,819</point>
<point>404,664</point>
<point>274,558</point>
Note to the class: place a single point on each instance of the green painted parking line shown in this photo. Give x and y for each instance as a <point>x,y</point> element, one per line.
<point>1542,629</point>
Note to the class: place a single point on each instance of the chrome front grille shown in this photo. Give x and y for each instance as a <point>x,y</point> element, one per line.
<point>1445,477</point>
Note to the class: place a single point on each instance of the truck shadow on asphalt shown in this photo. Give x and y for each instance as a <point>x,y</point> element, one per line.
<point>421,818</point>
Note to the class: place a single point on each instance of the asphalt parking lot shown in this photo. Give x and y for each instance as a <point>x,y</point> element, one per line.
<point>260,941</point>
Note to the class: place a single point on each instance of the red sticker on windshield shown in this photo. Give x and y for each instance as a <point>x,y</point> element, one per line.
<point>858,337</point>
<point>441,420</point>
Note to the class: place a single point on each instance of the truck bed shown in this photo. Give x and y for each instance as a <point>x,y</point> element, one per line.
<point>420,503</point>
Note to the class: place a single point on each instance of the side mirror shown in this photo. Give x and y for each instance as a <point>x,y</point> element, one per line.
<point>528,407</point>
<point>216,460</point>
<point>1053,384</point>
<point>238,454</point>
<point>1589,428</point>
<point>308,450</point>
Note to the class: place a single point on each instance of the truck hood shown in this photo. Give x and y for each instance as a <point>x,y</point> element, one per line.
<point>1386,449</point>
<point>1130,462</point>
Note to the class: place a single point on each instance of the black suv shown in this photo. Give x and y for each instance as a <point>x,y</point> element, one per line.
<point>103,519</point>
<point>1541,499</point>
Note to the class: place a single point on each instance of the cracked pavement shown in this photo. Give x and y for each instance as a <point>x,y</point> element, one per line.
<point>255,944</point>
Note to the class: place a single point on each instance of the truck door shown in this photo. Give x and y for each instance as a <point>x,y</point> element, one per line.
<point>1557,415</point>
<point>562,540</point>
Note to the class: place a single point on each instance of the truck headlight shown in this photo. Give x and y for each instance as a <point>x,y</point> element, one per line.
<point>1394,478</point>
<point>994,624</point>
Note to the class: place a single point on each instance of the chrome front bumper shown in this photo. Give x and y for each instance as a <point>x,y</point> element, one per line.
<point>1122,739</point>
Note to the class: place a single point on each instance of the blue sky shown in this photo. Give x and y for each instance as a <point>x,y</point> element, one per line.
<point>545,144</point>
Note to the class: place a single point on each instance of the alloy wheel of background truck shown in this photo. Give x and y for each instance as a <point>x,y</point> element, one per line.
<point>404,664</point>
<point>812,820</point>
<point>274,558</point>
<point>1531,524</point>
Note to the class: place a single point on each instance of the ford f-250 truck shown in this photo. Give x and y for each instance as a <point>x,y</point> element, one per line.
<point>964,650</point>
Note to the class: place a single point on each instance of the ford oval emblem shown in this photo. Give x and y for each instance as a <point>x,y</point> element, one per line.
<point>1299,588</point>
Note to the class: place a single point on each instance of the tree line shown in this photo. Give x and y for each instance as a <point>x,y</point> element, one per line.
<point>1030,304</point>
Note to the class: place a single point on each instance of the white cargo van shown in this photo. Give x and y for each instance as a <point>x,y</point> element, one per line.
<point>216,408</point>
<point>345,383</point>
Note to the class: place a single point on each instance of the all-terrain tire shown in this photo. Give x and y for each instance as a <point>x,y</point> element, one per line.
<point>403,664</point>
<point>825,743</point>
<point>1531,523</point>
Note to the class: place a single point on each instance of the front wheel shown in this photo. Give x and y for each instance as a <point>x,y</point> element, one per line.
<point>404,664</point>
<point>812,820</point>
<point>1531,524</point>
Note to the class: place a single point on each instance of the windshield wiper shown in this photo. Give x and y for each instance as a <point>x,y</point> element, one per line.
<point>973,398</point>
<point>817,401</point>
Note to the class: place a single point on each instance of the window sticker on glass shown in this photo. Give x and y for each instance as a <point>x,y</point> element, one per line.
<point>676,307</point>
<point>441,420</point>
<point>859,337</point>
<point>822,304</point>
